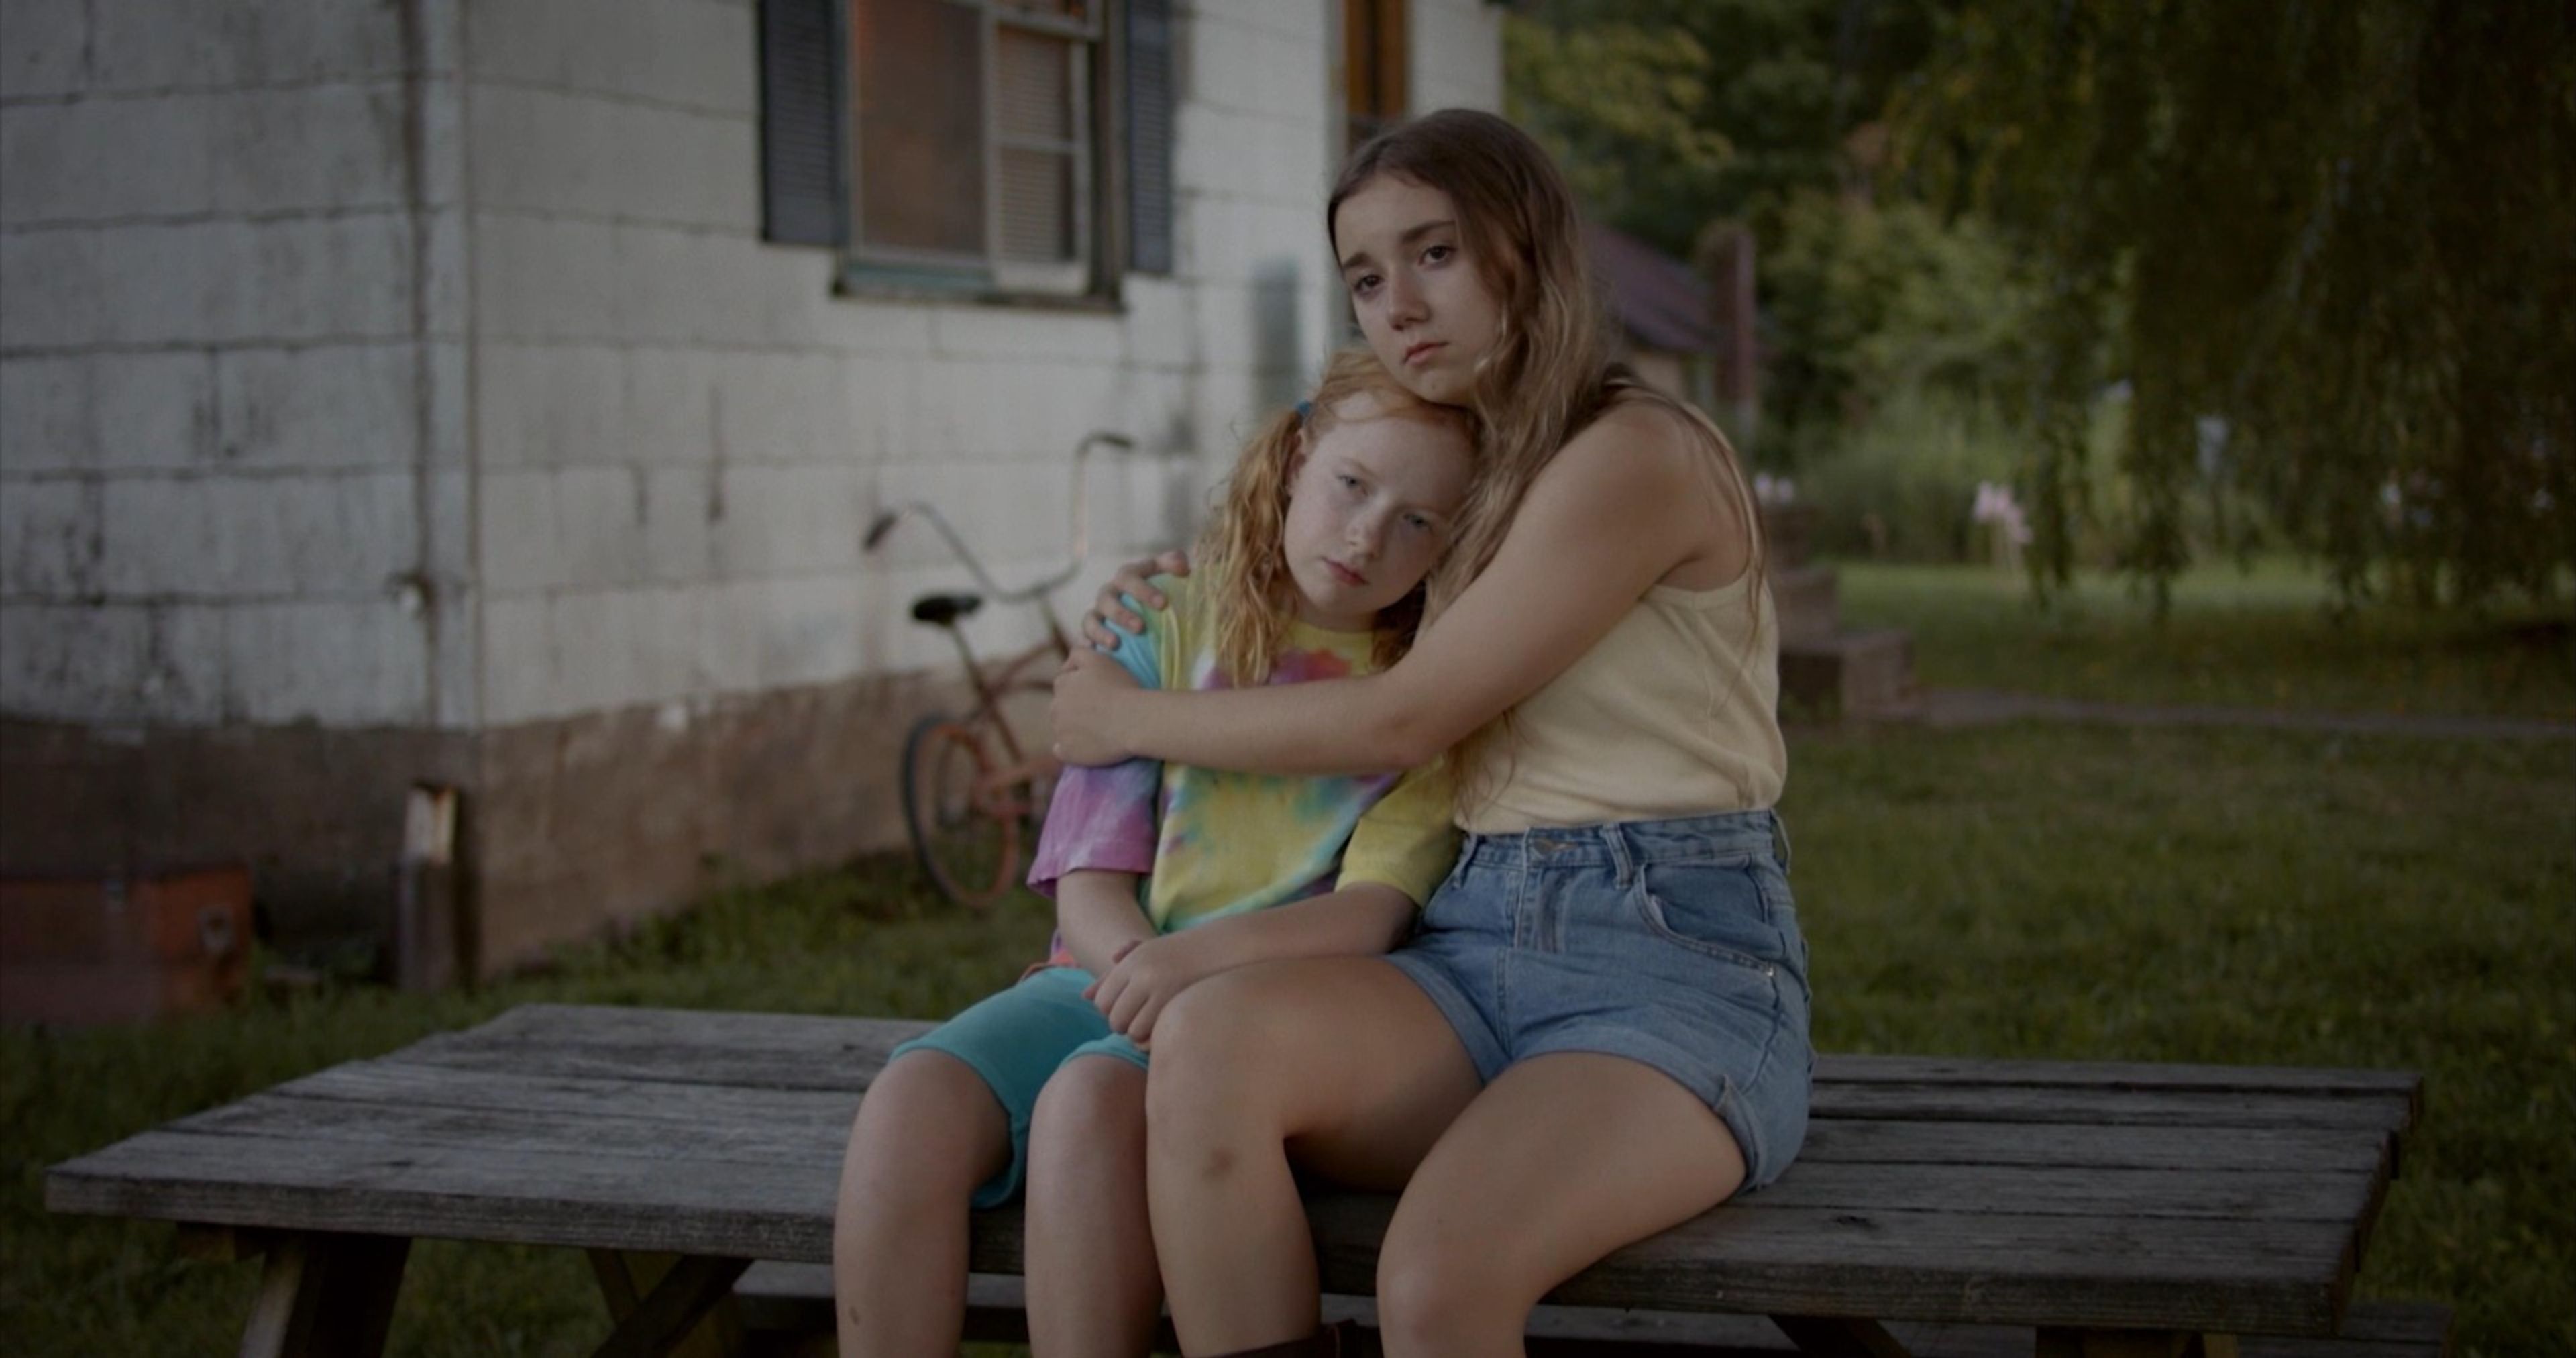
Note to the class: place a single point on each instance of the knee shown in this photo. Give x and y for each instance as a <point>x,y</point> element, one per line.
<point>904,1138</point>
<point>1091,1103</point>
<point>1212,1088</point>
<point>1207,1039</point>
<point>1433,1292</point>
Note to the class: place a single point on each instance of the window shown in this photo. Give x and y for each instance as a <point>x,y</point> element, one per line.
<point>965,143</point>
<point>1373,68</point>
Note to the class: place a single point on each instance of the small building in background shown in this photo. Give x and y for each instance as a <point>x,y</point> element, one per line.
<point>1685,337</point>
<point>1696,342</point>
<point>493,395</point>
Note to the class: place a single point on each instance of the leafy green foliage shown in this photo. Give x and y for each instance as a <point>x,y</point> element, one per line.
<point>2339,226</point>
<point>1875,306</point>
<point>1669,115</point>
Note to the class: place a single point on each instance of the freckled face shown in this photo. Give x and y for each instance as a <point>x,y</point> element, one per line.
<point>1369,512</point>
<point>1421,304</point>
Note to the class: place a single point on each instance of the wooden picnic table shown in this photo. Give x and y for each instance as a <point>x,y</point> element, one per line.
<point>2108,1207</point>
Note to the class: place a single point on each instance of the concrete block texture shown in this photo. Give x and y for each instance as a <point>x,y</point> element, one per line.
<point>346,536</point>
<point>46,415</point>
<point>688,53</point>
<point>183,155</point>
<point>310,149</point>
<point>51,279</point>
<point>360,662</point>
<point>1457,55</point>
<point>1275,158</point>
<point>107,412</point>
<point>573,651</point>
<point>539,278</point>
<point>180,44</point>
<point>781,408</point>
<point>539,405</point>
<point>1223,64</point>
<point>583,155</point>
<point>97,159</point>
<point>111,664</point>
<point>333,278</point>
<point>787,520</point>
<point>44,48</point>
<point>326,407</point>
<point>50,540</point>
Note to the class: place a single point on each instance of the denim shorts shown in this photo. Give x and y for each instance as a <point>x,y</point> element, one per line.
<point>1017,1040</point>
<point>1672,942</point>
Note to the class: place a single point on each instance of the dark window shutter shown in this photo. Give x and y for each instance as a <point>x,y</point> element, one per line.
<point>804,164</point>
<point>1149,136</point>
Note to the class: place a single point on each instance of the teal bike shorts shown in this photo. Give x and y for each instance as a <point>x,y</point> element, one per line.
<point>1017,1040</point>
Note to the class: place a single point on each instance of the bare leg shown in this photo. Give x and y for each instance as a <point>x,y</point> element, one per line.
<point>928,1132</point>
<point>1561,1160</point>
<point>1091,1279</point>
<point>1342,1059</point>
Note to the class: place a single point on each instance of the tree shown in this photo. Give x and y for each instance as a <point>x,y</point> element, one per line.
<point>1671,114</point>
<point>2328,243</point>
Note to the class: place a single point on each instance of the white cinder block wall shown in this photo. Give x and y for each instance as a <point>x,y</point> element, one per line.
<point>412,373</point>
<point>232,463</point>
<point>681,432</point>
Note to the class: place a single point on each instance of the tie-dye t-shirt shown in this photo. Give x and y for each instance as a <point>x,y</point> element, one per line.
<point>1212,843</point>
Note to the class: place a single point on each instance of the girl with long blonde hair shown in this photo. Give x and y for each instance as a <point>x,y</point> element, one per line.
<point>1312,567</point>
<point>1600,1027</point>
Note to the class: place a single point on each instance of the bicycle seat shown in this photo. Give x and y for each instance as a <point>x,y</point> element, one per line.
<point>944,610</point>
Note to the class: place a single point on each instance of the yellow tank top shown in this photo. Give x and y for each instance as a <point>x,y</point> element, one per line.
<point>1674,713</point>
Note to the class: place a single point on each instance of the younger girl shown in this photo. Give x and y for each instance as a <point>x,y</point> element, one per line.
<point>1332,519</point>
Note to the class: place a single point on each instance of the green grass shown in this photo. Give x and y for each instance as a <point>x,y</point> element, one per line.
<point>2237,896</point>
<point>863,941</point>
<point>2029,890</point>
<point>2268,638</point>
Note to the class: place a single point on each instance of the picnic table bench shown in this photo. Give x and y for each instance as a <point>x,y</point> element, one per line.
<point>2056,1207</point>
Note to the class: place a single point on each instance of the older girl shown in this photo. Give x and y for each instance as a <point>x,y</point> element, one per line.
<point>1601,1028</point>
<point>1331,521</point>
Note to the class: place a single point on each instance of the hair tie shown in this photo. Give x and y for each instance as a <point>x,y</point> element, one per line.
<point>1305,411</point>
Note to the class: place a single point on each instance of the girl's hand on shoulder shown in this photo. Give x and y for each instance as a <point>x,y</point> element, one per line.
<point>1146,977</point>
<point>1087,691</point>
<point>1111,610</point>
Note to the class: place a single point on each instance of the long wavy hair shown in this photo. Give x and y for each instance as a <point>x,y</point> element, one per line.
<point>1243,547</point>
<point>1550,372</point>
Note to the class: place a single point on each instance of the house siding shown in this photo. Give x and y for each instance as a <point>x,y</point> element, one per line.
<point>419,370</point>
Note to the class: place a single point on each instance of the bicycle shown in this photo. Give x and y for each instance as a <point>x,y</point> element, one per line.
<point>971,791</point>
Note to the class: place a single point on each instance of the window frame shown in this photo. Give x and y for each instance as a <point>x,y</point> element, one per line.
<point>1091,277</point>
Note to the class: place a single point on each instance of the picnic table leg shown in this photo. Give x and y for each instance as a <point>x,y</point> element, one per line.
<point>1841,1336</point>
<point>669,1304</point>
<point>2072,1343</point>
<point>324,1292</point>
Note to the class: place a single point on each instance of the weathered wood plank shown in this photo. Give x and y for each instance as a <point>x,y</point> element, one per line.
<point>391,1103</point>
<point>2079,1146</point>
<point>1893,1141</point>
<point>2386,1113</point>
<point>1859,1069</point>
<point>820,1050</point>
<point>762,1069</point>
<point>399,1082</point>
<point>2208,1273</point>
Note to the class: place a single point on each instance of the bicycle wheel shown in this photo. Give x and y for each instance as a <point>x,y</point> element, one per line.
<point>969,853</point>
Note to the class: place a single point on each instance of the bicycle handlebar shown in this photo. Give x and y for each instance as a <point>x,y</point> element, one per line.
<point>885,522</point>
